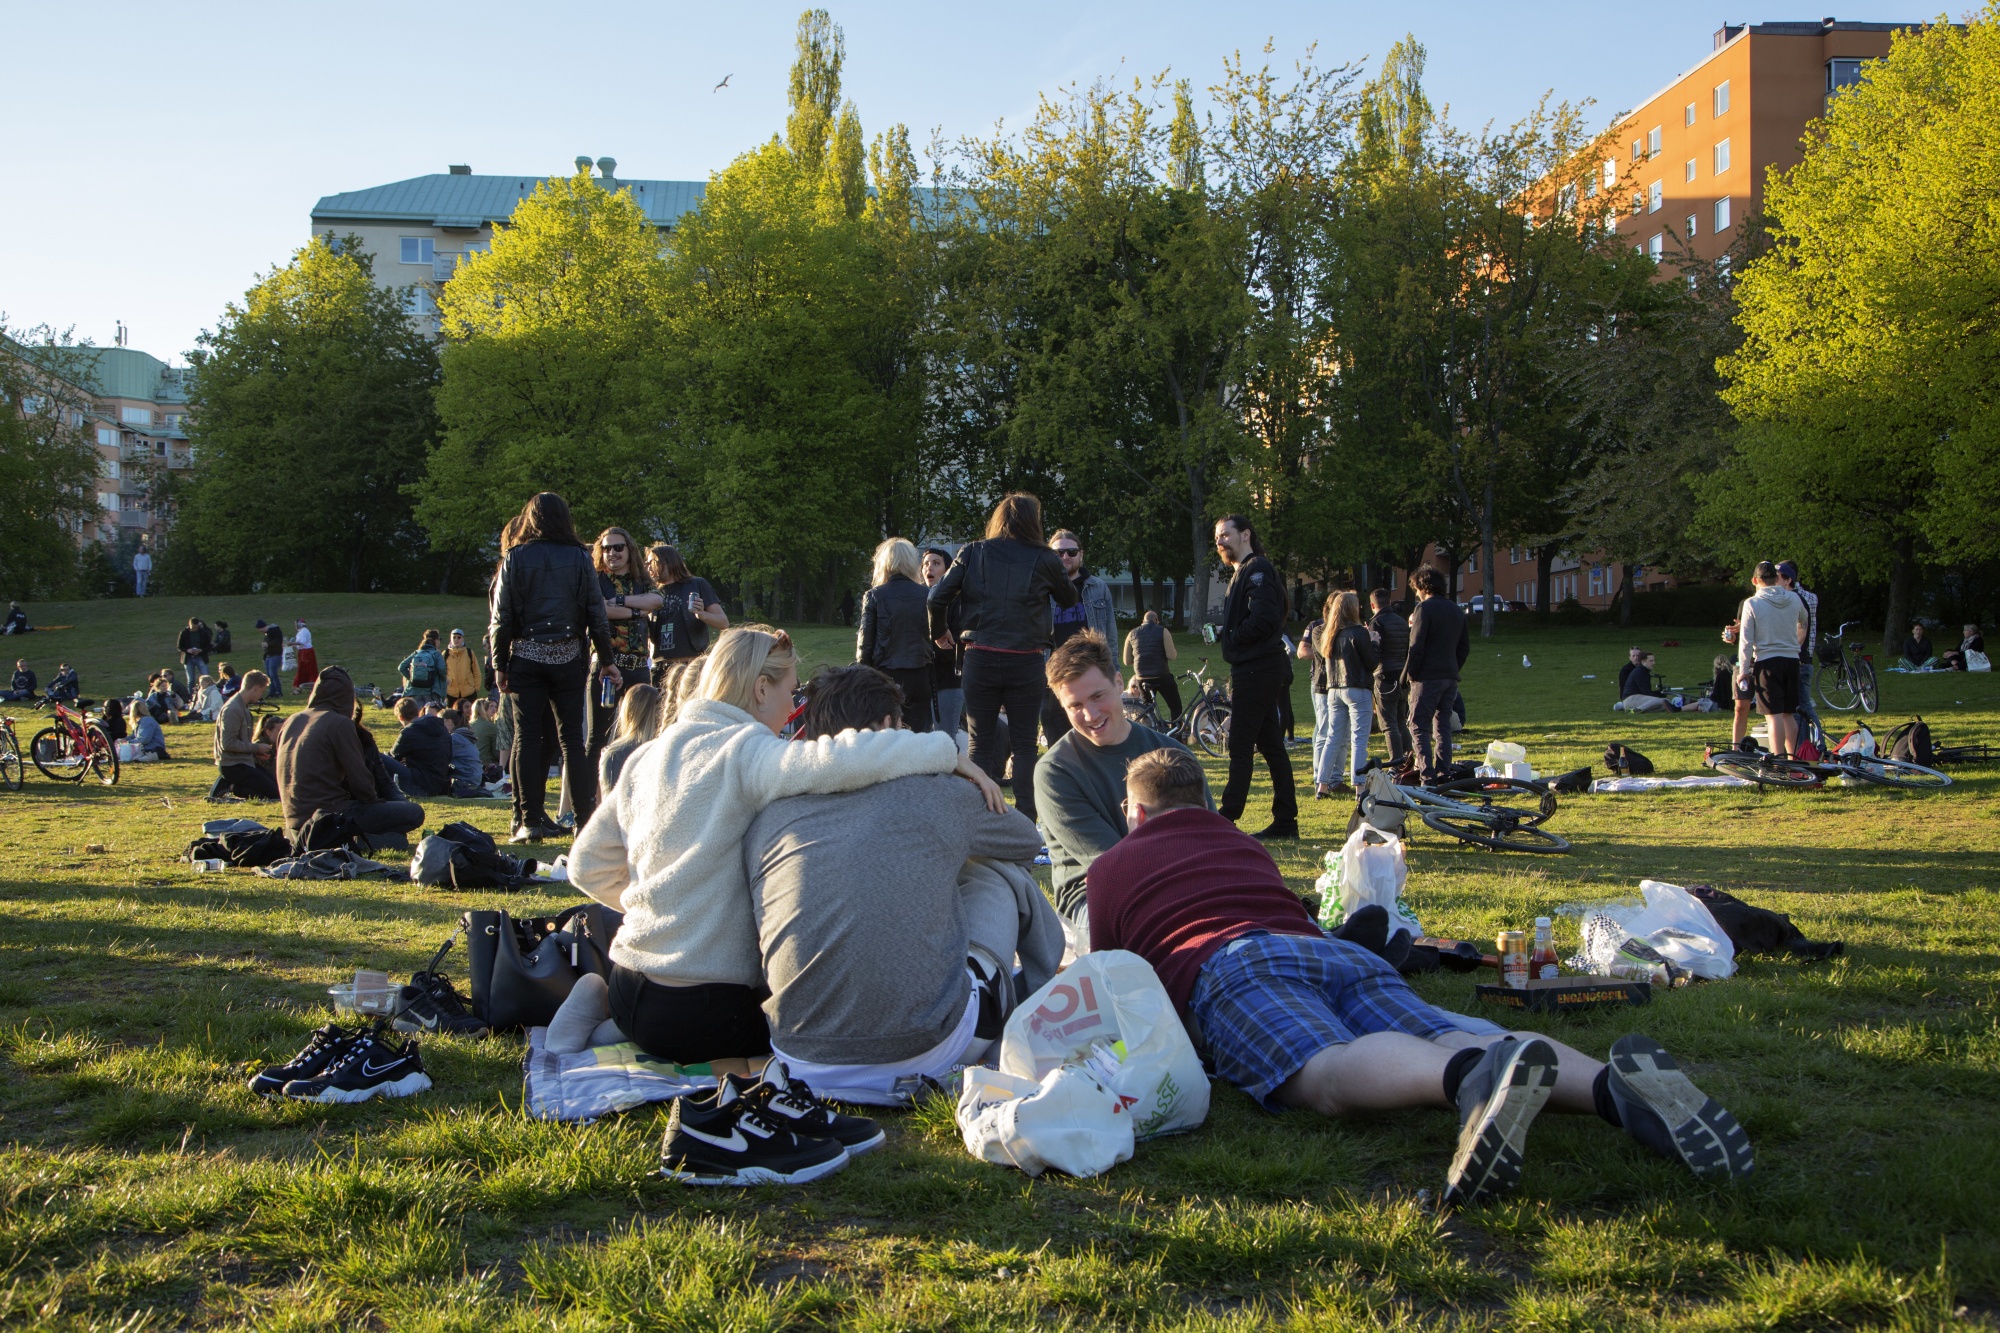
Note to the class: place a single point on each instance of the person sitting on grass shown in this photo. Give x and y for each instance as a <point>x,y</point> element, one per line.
<point>485,730</point>
<point>1640,690</point>
<point>207,698</point>
<point>1080,782</point>
<point>889,957</point>
<point>1296,1019</point>
<point>17,620</point>
<point>162,699</point>
<point>268,728</point>
<point>421,757</point>
<point>1917,649</point>
<point>65,688</point>
<point>465,781</point>
<point>112,718</point>
<point>638,721</point>
<point>146,734</point>
<point>322,765</point>
<point>237,749</point>
<point>22,689</point>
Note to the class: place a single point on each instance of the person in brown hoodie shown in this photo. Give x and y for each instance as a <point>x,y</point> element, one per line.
<point>322,765</point>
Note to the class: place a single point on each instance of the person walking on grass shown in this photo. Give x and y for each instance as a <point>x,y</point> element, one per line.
<point>1439,645</point>
<point>142,570</point>
<point>422,671</point>
<point>1252,641</point>
<point>1771,629</point>
<point>306,673</point>
<point>274,658</point>
<point>193,645</point>
<point>894,637</point>
<point>461,670</point>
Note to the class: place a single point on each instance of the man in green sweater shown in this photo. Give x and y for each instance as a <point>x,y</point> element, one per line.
<point>1080,781</point>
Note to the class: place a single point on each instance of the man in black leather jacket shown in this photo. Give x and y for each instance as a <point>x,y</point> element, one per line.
<point>1252,641</point>
<point>1392,695</point>
<point>1439,646</point>
<point>1003,586</point>
<point>548,618</point>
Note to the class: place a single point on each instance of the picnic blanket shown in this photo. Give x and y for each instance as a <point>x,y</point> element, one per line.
<point>1689,783</point>
<point>608,1079</point>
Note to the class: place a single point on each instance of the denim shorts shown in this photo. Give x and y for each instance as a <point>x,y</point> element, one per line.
<point>1269,1003</point>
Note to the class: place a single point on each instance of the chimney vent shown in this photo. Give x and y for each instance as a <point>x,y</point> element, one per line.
<point>1725,33</point>
<point>607,167</point>
<point>461,169</point>
<point>583,164</point>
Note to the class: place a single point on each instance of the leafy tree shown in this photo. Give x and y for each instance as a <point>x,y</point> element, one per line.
<point>310,415</point>
<point>48,460</point>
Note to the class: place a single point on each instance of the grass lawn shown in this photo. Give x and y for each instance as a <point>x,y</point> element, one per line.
<point>142,1186</point>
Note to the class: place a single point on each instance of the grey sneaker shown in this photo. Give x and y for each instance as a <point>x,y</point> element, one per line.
<point>1663,1109</point>
<point>1497,1101</point>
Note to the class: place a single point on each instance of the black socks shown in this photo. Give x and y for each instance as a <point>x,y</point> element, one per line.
<point>1455,1070</point>
<point>1600,1093</point>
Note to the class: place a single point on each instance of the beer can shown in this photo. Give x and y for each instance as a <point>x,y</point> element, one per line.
<point>1513,952</point>
<point>607,693</point>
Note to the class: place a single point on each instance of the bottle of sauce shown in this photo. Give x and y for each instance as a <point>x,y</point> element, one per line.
<point>1542,965</point>
<point>1513,952</point>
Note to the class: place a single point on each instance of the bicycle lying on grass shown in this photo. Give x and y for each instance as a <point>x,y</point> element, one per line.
<point>73,749</point>
<point>1205,720</point>
<point>1769,770</point>
<point>1505,814</point>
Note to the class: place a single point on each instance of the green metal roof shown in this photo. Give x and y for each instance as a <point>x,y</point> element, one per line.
<point>473,201</point>
<point>125,372</point>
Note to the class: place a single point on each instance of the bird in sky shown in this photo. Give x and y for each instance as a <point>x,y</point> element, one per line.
<point>724,84</point>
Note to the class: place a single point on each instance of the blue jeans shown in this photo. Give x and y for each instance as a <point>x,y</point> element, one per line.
<point>951,710</point>
<point>272,668</point>
<point>1340,735</point>
<point>196,667</point>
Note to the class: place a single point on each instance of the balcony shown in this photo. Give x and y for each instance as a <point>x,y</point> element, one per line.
<point>135,518</point>
<point>180,458</point>
<point>444,265</point>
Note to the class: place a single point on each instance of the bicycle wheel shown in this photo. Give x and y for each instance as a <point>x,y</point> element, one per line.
<point>1895,772</point>
<point>55,756</point>
<point>1765,770</point>
<point>103,757</point>
<point>1504,836</point>
<point>1864,684</point>
<point>10,763</point>
<point>1211,729</point>
<point>1836,687</point>
<point>1485,792</point>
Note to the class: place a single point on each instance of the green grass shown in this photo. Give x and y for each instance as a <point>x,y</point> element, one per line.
<point>142,1186</point>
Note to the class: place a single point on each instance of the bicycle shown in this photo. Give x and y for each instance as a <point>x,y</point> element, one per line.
<point>10,756</point>
<point>73,749</point>
<point>1844,675</point>
<point>1769,770</point>
<point>1205,720</point>
<point>1471,811</point>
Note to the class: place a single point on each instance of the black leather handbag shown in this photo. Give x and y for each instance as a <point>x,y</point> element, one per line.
<point>522,970</point>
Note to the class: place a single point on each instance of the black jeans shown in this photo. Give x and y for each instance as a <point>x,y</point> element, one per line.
<point>1055,722</point>
<point>537,687</point>
<point>916,683</point>
<point>1255,728</point>
<point>1013,681</point>
<point>1392,714</point>
<point>689,1024</point>
<point>1168,689</point>
<point>246,780</point>
<point>1431,705</point>
<point>388,817</point>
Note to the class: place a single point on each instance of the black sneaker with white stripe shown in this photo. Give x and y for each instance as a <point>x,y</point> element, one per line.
<point>790,1103</point>
<point>326,1046</point>
<point>372,1065</point>
<point>726,1138</point>
<point>1497,1100</point>
<point>431,1004</point>
<point>1662,1108</point>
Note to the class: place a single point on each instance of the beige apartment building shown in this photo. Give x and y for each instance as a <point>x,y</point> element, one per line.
<point>420,230</point>
<point>135,409</point>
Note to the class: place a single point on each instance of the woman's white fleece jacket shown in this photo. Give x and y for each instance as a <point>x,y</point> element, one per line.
<point>665,846</point>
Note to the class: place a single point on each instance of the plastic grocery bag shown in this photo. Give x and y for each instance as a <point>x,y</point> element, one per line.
<point>1068,1122</point>
<point>1368,869</point>
<point>1110,1008</point>
<point>1499,754</point>
<point>1673,929</point>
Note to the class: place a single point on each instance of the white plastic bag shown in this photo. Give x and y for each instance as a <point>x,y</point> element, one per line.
<point>1673,923</point>
<point>289,659</point>
<point>1111,1006</point>
<point>1977,661</point>
<point>1067,1122</point>
<point>1369,869</point>
<point>1499,754</point>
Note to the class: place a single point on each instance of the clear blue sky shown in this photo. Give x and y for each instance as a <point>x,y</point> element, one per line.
<point>156,158</point>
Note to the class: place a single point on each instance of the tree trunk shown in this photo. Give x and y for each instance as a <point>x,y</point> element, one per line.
<point>1902,598</point>
<point>1453,558</point>
<point>1486,598</point>
<point>799,600</point>
<point>1138,595</point>
<point>1412,562</point>
<point>1204,554</point>
<point>1544,557</point>
<point>1180,603</point>
<point>1625,591</point>
<point>829,602</point>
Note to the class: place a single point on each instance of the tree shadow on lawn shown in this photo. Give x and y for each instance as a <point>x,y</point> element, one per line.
<point>1788,866</point>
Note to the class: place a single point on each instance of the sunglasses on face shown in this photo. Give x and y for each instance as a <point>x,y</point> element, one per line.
<point>1067,551</point>
<point>613,546</point>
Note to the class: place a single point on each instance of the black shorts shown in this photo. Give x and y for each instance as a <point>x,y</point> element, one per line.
<point>1777,685</point>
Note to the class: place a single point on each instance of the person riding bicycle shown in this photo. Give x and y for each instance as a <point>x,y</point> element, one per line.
<point>1149,651</point>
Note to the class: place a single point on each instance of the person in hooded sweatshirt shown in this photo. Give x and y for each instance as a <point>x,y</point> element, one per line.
<point>1771,628</point>
<point>322,766</point>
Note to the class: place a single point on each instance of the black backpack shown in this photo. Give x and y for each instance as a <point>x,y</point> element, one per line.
<point>245,848</point>
<point>1626,761</point>
<point>463,857</point>
<point>1911,743</point>
<point>1574,781</point>
<point>328,829</point>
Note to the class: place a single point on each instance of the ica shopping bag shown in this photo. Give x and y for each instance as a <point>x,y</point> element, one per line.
<point>1111,1007</point>
<point>1369,870</point>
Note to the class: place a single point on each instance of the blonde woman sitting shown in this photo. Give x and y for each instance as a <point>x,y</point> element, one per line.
<point>666,849</point>
<point>638,721</point>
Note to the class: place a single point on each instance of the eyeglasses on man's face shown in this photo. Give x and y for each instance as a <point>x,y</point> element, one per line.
<point>1068,552</point>
<point>609,547</point>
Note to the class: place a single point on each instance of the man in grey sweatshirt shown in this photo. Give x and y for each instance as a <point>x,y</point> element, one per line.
<point>889,918</point>
<point>1771,629</point>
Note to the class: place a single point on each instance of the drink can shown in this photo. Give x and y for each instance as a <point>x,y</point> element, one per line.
<point>1513,951</point>
<point>607,693</point>
<point>209,866</point>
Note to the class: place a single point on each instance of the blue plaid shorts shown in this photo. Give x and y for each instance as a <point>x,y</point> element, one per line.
<point>1269,1003</point>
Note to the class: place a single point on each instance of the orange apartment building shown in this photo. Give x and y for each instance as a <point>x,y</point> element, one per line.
<point>1689,167</point>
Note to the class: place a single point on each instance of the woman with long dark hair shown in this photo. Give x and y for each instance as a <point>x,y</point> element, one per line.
<point>689,609</point>
<point>547,619</point>
<point>895,636</point>
<point>1004,584</point>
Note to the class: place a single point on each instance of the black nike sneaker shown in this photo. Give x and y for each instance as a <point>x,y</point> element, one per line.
<point>790,1103</point>
<point>327,1045</point>
<point>1662,1108</point>
<point>1497,1100</point>
<point>728,1139</point>
<point>430,1004</point>
<point>371,1066</point>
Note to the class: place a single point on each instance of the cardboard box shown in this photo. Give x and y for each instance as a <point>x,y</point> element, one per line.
<point>1568,995</point>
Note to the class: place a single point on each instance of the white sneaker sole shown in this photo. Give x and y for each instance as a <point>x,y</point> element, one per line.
<point>1490,1146</point>
<point>402,1087</point>
<point>755,1175</point>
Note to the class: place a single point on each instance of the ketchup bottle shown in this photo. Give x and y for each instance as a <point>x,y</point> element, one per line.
<point>1542,964</point>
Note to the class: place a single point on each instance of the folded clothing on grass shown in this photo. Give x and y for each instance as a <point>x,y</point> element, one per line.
<point>1689,783</point>
<point>608,1079</point>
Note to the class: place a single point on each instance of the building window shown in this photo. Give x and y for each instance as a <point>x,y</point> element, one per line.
<point>1692,229</point>
<point>1638,150</point>
<point>1655,197</point>
<point>107,436</point>
<point>1657,247</point>
<point>1596,580</point>
<point>1722,98</point>
<point>1610,173</point>
<point>108,468</point>
<point>136,416</point>
<point>1653,142</point>
<point>109,499</point>
<point>418,249</point>
<point>1566,199</point>
<point>1722,157</point>
<point>1638,203</point>
<point>1841,74</point>
<point>1688,171</point>
<point>418,303</point>
<point>1590,187</point>
<point>1721,215</point>
<point>1687,117</point>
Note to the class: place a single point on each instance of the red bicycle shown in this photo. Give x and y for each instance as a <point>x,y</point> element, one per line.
<point>74,748</point>
<point>10,756</point>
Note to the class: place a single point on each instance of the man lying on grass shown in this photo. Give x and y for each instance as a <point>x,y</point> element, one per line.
<point>1295,1018</point>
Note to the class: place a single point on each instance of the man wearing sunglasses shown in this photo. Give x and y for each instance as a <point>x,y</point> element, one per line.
<point>1092,611</point>
<point>628,599</point>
